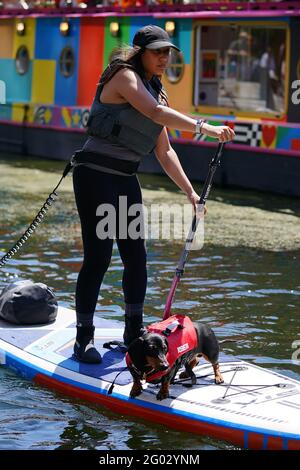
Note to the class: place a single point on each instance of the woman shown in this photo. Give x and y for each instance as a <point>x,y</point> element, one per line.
<point>128,119</point>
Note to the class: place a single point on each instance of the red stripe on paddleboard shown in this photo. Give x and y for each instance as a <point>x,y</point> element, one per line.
<point>235,436</point>
<point>293,445</point>
<point>126,407</point>
<point>255,441</point>
<point>274,443</point>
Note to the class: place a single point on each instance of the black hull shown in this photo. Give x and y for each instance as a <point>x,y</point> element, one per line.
<point>268,172</point>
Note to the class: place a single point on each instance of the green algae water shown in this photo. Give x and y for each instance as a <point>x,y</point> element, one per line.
<point>244,282</point>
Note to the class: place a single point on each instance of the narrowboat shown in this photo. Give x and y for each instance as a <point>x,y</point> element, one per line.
<point>239,63</point>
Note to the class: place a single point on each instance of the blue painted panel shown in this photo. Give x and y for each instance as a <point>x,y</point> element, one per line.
<point>184,34</point>
<point>5,111</point>
<point>49,44</point>
<point>137,22</point>
<point>285,136</point>
<point>162,21</point>
<point>48,38</point>
<point>66,88</point>
<point>18,87</point>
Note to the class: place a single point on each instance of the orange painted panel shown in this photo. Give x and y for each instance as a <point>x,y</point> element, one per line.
<point>181,93</point>
<point>187,135</point>
<point>90,59</point>
<point>7,30</point>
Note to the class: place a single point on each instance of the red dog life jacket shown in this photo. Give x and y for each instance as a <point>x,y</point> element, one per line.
<point>181,336</point>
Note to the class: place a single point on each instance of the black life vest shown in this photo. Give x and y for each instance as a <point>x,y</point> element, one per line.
<point>122,123</point>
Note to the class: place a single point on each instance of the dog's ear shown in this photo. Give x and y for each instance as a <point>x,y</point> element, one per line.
<point>137,354</point>
<point>166,344</point>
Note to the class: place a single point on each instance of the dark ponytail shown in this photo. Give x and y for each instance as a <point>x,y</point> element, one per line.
<point>131,57</point>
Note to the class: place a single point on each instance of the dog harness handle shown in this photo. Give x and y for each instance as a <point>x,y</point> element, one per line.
<point>172,327</point>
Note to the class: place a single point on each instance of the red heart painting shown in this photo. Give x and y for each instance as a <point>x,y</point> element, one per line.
<point>269,134</point>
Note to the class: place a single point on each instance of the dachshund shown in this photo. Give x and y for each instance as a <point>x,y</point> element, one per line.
<point>148,357</point>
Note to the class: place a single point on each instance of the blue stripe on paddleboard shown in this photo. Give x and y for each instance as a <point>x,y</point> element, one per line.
<point>284,444</point>
<point>26,369</point>
<point>246,435</point>
<point>265,442</point>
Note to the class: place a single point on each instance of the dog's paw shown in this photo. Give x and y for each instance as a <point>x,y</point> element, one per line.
<point>136,391</point>
<point>219,380</point>
<point>183,375</point>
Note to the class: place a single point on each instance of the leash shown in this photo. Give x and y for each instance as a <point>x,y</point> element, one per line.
<point>110,390</point>
<point>37,220</point>
<point>215,162</point>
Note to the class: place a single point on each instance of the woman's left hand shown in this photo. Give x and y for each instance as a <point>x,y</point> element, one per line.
<point>194,198</point>
<point>222,133</point>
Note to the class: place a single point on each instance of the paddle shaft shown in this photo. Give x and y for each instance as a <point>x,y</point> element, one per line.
<point>215,162</point>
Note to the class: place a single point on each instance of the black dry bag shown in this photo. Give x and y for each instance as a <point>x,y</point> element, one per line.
<point>28,303</point>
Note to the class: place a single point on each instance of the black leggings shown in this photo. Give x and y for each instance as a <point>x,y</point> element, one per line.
<point>93,188</point>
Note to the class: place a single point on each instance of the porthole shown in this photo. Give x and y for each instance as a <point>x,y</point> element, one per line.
<point>175,69</point>
<point>67,61</point>
<point>85,117</point>
<point>22,60</point>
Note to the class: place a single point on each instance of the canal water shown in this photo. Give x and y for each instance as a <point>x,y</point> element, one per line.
<point>244,282</point>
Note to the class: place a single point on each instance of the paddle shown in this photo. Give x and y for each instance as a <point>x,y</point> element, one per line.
<point>189,240</point>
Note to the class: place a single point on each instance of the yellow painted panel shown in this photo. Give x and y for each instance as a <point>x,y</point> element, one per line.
<point>7,38</point>
<point>18,112</point>
<point>239,115</point>
<point>28,39</point>
<point>180,93</point>
<point>43,81</point>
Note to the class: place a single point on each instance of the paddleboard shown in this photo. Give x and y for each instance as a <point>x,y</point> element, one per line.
<point>255,408</point>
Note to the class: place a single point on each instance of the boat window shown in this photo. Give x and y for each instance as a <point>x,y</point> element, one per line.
<point>67,61</point>
<point>22,60</point>
<point>175,69</point>
<point>241,67</point>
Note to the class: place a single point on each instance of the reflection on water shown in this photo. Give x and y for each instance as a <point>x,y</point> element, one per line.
<point>244,282</point>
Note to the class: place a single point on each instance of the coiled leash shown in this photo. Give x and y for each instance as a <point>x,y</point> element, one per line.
<point>37,220</point>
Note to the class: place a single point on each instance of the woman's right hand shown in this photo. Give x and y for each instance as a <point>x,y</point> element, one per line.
<point>222,133</point>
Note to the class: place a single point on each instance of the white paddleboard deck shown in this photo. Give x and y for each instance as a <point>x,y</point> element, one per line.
<point>254,408</point>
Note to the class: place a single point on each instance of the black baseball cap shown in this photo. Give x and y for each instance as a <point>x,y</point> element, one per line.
<point>152,37</point>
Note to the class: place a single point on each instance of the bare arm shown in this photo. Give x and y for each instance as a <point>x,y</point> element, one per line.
<point>172,166</point>
<point>131,89</point>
